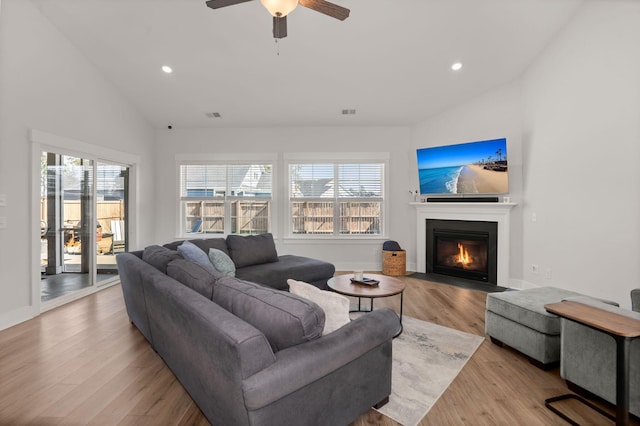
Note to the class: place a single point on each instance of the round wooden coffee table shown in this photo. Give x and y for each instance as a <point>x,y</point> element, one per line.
<point>387,286</point>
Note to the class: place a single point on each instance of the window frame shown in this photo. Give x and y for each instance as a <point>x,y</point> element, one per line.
<point>336,159</point>
<point>227,200</point>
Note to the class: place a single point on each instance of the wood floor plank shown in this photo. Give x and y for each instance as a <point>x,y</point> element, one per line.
<point>84,363</point>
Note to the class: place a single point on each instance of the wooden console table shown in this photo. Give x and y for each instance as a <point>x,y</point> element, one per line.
<point>623,329</point>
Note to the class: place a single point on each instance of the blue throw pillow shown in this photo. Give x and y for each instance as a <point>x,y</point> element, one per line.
<point>222,262</point>
<point>192,252</point>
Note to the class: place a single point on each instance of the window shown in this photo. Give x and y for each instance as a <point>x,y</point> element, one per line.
<point>336,199</point>
<point>225,198</point>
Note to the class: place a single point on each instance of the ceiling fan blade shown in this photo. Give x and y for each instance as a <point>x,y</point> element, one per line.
<point>217,4</point>
<point>327,8</point>
<point>279,27</point>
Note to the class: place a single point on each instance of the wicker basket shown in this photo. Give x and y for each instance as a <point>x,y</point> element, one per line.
<point>394,262</point>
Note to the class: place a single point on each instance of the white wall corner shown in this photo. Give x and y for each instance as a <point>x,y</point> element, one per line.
<point>522,284</point>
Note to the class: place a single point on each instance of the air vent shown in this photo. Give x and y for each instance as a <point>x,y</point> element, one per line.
<point>213,115</point>
<point>348,112</point>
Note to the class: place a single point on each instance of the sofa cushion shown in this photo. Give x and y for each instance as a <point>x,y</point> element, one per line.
<point>334,305</point>
<point>194,276</point>
<point>252,249</point>
<point>193,253</point>
<point>209,243</point>
<point>159,257</point>
<point>222,262</point>
<point>173,245</point>
<point>299,268</point>
<point>204,243</point>
<point>285,319</point>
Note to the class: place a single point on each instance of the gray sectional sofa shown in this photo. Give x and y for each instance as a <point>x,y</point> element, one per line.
<point>257,260</point>
<point>253,355</point>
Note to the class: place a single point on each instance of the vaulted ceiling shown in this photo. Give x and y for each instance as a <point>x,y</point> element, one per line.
<point>390,60</point>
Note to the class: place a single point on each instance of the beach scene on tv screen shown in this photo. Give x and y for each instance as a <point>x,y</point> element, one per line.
<point>467,168</point>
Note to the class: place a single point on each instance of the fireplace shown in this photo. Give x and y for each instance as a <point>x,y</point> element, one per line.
<point>462,248</point>
<point>499,213</point>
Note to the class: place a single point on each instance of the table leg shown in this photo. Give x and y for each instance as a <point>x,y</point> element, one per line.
<point>360,309</point>
<point>401,326</point>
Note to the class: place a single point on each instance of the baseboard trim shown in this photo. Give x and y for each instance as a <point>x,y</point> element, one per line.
<point>16,317</point>
<point>525,285</point>
<point>359,266</point>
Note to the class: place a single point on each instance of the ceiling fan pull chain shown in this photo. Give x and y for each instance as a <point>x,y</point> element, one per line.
<point>277,46</point>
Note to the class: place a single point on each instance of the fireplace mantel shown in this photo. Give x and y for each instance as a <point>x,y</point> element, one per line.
<point>489,212</point>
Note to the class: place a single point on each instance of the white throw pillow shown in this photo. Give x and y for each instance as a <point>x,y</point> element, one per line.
<point>334,305</point>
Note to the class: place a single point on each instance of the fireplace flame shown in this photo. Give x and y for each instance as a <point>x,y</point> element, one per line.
<point>463,255</point>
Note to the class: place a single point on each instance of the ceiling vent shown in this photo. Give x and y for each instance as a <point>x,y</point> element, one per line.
<point>213,115</point>
<point>348,112</point>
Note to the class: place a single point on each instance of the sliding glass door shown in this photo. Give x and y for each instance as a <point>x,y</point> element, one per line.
<point>112,193</point>
<point>83,210</point>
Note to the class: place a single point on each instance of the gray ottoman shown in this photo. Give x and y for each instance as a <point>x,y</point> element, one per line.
<point>518,319</point>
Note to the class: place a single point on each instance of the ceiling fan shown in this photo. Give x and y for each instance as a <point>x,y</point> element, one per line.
<point>281,8</point>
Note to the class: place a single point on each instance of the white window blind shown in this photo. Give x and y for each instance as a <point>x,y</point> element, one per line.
<point>226,198</point>
<point>217,180</point>
<point>336,198</point>
<point>361,180</point>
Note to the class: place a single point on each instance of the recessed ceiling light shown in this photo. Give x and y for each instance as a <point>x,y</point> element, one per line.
<point>167,69</point>
<point>456,66</point>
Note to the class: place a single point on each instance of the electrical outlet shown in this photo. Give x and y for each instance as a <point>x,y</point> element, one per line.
<point>535,268</point>
<point>534,217</point>
<point>3,222</point>
<point>3,200</point>
<point>547,273</point>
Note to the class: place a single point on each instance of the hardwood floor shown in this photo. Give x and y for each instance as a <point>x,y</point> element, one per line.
<point>84,363</point>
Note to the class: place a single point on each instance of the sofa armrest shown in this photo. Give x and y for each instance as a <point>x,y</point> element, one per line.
<point>300,365</point>
<point>132,269</point>
<point>635,299</point>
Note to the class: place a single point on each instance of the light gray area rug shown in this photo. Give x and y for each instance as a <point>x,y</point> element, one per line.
<point>426,359</point>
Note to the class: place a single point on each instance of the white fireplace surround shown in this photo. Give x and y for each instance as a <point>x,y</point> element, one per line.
<point>487,212</point>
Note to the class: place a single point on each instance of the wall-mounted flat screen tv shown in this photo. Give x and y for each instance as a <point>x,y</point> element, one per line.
<point>467,168</point>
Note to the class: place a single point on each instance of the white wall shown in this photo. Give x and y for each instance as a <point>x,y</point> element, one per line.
<point>494,115</point>
<point>47,85</point>
<point>362,254</point>
<point>581,153</point>
<point>573,128</point>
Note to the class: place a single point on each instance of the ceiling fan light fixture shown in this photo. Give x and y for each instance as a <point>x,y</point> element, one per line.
<point>279,8</point>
